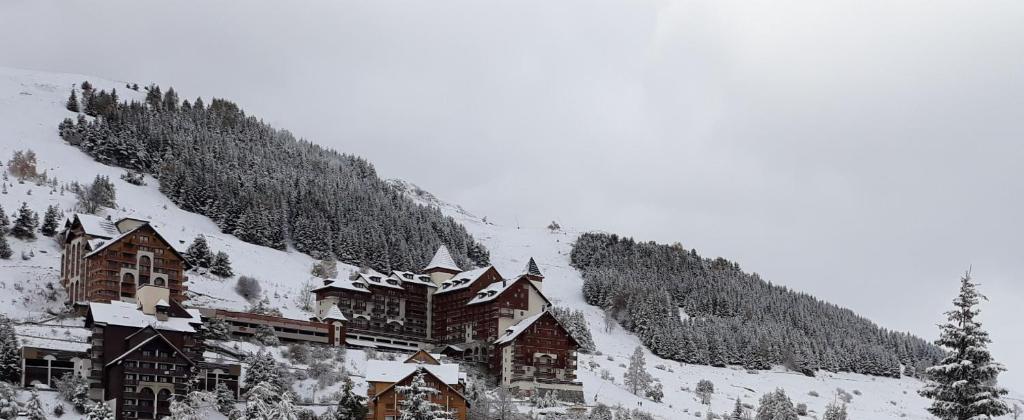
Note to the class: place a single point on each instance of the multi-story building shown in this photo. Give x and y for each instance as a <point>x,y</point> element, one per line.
<point>104,261</point>
<point>468,314</point>
<point>143,353</point>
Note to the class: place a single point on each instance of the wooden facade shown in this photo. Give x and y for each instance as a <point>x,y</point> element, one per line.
<point>538,357</point>
<point>103,261</point>
<point>385,401</point>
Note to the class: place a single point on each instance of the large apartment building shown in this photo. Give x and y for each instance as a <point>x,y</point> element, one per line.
<point>103,260</point>
<point>477,315</point>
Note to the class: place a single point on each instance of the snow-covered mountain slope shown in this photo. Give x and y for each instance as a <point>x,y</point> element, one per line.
<point>32,104</point>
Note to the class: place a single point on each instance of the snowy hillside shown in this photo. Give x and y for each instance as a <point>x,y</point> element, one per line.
<point>32,104</point>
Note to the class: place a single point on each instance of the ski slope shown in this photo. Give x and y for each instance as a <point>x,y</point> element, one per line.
<point>32,104</point>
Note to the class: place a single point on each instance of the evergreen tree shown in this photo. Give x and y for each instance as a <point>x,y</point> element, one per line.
<point>417,400</point>
<point>264,334</point>
<point>5,248</point>
<point>776,406</point>
<point>221,265</point>
<point>225,399</point>
<point>262,369</point>
<point>217,329</point>
<point>835,411</point>
<point>705,389</point>
<point>100,411</point>
<point>636,378</point>
<point>5,222</point>
<point>10,352</point>
<point>601,412</point>
<point>8,401</point>
<point>963,384</point>
<point>737,411</point>
<point>350,406</point>
<point>199,253</point>
<point>51,221</point>
<point>191,407</point>
<point>260,402</point>
<point>34,409</point>
<point>72,104</point>
<point>25,223</point>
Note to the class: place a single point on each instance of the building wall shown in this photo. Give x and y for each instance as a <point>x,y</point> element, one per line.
<point>542,357</point>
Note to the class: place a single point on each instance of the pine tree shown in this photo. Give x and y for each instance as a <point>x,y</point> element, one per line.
<point>737,411</point>
<point>262,368</point>
<point>221,265</point>
<point>776,406</point>
<point>34,409</point>
<point>72,103</point>
<point>417,399</point>
<point>199,253</point>
<point>350,406</point>
<point>835,411</point>
<point>636,378</point>
<point>10,352</point>
<point>260,402</point>
<point>25,223</point>
<point>5,222</point>
<point>5,248</point>
<point>225,399</point>
<point>963,384</point>
<point>51,221</point>
<point>601,412</point>
<point>191,406</point>
<point>100,411</point>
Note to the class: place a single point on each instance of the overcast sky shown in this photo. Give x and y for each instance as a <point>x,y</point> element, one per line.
<point>866,152</point>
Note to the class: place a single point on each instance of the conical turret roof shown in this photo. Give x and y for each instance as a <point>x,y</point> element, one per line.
<point>442,261</point>
<point>334,314</point>
<point>532,269</point>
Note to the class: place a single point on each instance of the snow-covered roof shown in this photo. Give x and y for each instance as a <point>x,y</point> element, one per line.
<point>335,314</point>
<point>442,260</point>
<point>410,277</point>
<point>97,226</point>
<point>376,278</point>
<point>492,291</point>
<point>162,303</point>
<point>54,344</point>
<point>357,286</point>
<point>394,371</point>
<point>462,280</point>
<point>512,332</point>
<point>146,341</point>
<point>128,315</point>
<point>531,269</point>
<point>99,246</point>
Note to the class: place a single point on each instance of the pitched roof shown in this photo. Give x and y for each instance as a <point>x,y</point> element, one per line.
<point>394,371</point>
<point>128,315</point>
<point>463,280</point>
<point>95,225</point>
<point>410,277</point>
<point>357,286</point>
<point>518,328</point>
<point>99,246</point>
<point>433,358</point>
<point>151,338</point>
<point>442,260</point>
<point>532,269</point>
<point>376,278</point>
<point>428,372</point>
<point>493,290</point>
<point>335,314</point>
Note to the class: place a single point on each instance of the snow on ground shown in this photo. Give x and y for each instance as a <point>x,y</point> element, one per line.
<point>31,106</point>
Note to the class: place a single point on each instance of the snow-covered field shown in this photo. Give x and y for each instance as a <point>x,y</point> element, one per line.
<point>31,106</point>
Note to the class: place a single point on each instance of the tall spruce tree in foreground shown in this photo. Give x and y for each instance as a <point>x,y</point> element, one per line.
<point>10,354</point>
<point>963,384</point>
<point>417,400</point>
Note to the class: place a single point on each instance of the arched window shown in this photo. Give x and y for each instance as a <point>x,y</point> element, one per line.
<point>128,278</point>
<point>159,281</point>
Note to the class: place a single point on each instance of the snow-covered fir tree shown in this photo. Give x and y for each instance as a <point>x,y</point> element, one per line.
<point>8,401</point>
<point>221,265</point>
<point>738,411</point>
<point>5,222</point>
<point>636,378</point>
<point>266,187</point>
<point>72,103</point>
<point>262,368</point>
<point>192,406</point>
<point>261,402</point>
<point>198,253</point>
<point>34,408</point>
<point>601,412</point>
<point>733,317</point>
<point>225,399</point>
<point>10,352</point>
<point>776,405</point>
<point>5,247</point>
<point>217,329</point>
<point>417,402</point>
<point>835,411</point>
<point>963,385</point>
<point>350,406</point>
<point>25,223</point>
<point>51,221</point>
<point>99,411</point>
<point>99,194</point>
